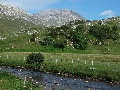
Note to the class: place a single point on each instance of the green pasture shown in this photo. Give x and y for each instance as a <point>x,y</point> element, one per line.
<point>94,66</point>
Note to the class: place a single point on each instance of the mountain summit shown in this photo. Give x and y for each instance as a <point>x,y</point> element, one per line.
<point>57,17</point>
<point>15,12</point>
<point>50,17</point>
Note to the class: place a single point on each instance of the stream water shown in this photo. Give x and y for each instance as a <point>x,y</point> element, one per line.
<point>55,82</point>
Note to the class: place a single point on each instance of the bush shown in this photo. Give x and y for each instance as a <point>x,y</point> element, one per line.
<point>36,58</point>
<point>60,43</point>
<point>80,41</point>
<point>46,41</point>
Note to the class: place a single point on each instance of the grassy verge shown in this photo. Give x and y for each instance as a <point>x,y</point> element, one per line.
<point>94,66</point>
<point>11,82</point>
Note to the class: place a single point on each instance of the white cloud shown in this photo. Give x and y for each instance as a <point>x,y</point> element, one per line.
<point>108,13</point>
<point>29,5</point>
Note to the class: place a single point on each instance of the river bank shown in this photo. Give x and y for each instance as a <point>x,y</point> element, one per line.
<point>63,73</point>
<point>92,67</point>
<point>55,82</point>
<point>12,82</point>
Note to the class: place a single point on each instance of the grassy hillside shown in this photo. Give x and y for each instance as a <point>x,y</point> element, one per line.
<point>10,26</point>
<point>19,32</point>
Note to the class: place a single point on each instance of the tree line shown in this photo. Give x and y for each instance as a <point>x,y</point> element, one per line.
<point>77,34</point>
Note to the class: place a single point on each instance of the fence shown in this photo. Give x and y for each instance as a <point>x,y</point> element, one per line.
<point>60,59</point>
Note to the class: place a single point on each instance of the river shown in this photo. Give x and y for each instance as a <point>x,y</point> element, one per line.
<point>55,82</point>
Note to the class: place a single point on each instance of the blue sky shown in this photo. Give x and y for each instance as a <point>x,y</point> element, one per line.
<point>90,9</point>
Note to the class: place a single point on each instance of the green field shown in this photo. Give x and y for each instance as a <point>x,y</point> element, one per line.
<point>88,66</point>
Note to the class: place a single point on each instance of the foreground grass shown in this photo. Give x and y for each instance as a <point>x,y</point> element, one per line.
<point>11,82</point>
<point>102,67</point>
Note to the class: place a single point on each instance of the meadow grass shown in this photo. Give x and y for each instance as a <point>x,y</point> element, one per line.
<point>22,45</point>
<point>94,66</point>
<point>11,82</point>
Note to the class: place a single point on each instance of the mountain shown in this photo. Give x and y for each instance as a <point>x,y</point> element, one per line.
<point>14,20</point>
<point>51,17</point>
<point>16,12</point>
<point>55,17</point>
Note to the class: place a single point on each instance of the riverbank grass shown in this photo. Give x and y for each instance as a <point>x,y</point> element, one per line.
<point>11,82</point>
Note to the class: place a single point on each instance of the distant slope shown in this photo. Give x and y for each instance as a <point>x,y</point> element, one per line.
<point>10,26</point>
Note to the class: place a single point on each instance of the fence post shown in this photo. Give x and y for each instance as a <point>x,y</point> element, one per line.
<point>51,58</point>
<point>92,62</point>
<point>85,62</point>
<point>72,60</point>
<point>78,60</point>
<point>7,56</point>
<point>108,64</point>
<point>24,58</point>
<point>56,61</point>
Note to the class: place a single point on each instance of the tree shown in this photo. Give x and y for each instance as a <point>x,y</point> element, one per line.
<point>60,43</point>
<point>80,41</point>
<point>47,41</point>
<point>53,32</point>
<point>115,35</point>
<point>95,31</point>
<point>103,32</point>
<point>36,58</point>
<point>80,28</point>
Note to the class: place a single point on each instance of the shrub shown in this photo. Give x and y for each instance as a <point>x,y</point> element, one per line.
<point>60,43</point>
<point>36,58</point>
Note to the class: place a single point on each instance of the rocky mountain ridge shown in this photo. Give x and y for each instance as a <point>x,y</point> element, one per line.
<point>15,12</point>
<point>57,16</point>
<point>50,17</point>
